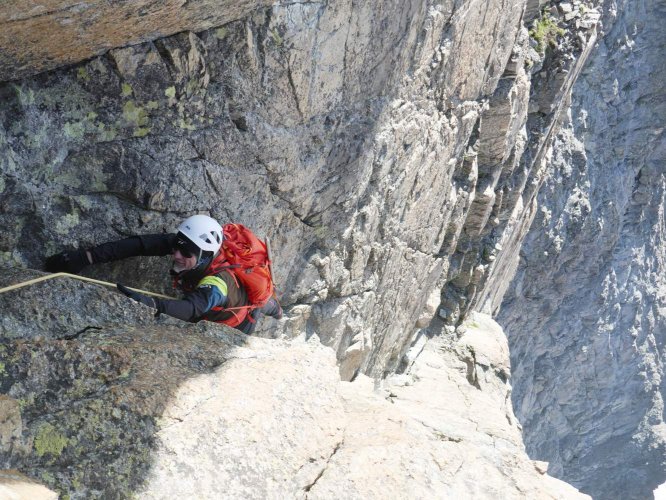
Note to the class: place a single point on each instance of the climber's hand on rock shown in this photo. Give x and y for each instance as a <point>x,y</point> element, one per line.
<point>139,297</point>
<point>72,261</point>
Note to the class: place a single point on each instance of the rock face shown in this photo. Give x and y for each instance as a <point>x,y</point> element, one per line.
<point>388,151</point>
<point>585,316</point>
<point>338,131</point>
<point>432,425</point>
<point>39,36</point>
<point>89,393</point>
<point>163,410</point>
<point>16,486</point>
<point>394,153</point>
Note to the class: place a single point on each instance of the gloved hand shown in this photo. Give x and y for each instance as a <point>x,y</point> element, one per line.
<point>139,297</point>
<point>72,261</point>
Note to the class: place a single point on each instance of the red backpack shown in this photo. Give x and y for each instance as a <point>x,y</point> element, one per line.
<point>246,258</point>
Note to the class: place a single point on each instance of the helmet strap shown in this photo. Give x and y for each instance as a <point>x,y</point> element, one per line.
<point>204,261</point>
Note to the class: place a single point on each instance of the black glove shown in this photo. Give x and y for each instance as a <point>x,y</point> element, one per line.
<point>139,297</point>
<point>70,262</point>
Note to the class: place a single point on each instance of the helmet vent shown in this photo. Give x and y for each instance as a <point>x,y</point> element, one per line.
<point>204,231</point>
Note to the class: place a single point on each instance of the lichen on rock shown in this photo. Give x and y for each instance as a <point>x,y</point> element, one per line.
<point>49,441</point>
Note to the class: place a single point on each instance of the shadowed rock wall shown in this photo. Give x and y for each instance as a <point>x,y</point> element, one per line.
<point>334,129</point>
<point>585,315</point>
<point>40,36</point>
<point>393,152</point>
<point>128,406</point>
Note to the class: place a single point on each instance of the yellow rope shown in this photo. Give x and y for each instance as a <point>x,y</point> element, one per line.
<point>75,276</point>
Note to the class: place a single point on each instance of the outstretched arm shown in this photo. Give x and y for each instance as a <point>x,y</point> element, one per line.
<point>211,292</point>
<point>74,261</point>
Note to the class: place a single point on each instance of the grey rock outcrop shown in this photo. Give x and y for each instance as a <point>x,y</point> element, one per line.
<point>431,424</point>
<point>334,129</point>
<point>585,315</point>
<point>506,158</point>
<point>16,486</point>
<point>388,153</point>
<point>86,395</point>
<point>394,153</point>
<point>40,36</point>
<point>161,411</point>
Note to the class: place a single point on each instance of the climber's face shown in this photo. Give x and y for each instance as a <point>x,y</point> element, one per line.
<point>183,262</point>
<point>185,253</point>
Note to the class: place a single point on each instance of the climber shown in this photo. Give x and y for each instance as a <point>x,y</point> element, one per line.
<point>210,293</point>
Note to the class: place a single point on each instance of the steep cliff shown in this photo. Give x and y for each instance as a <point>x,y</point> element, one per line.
<point>585,315</point>
<point>133,406</point>
<point>380,147</point>
<point>392,151</point>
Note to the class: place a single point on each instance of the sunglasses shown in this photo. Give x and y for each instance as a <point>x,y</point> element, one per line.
<point>185,246</point>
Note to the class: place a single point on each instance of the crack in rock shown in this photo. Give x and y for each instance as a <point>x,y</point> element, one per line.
<point>307,488</point>
<point>81,332</point>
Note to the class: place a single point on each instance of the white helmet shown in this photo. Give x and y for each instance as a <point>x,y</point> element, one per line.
<point>203,231</point>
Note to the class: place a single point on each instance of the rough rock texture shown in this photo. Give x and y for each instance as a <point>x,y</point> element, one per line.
<point>262,426</point>
<point>84,395</point>
<point>447,425</point>
<point>585,315</point>
<point>393,152</point>
<point>387,150</point>
<point>514,136</point>
<point>16,486</point>
<point>162,411</point>
<point>39,36</point>
<point>337,130</point>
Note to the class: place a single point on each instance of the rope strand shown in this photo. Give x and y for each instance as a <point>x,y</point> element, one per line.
<point>75,276</point>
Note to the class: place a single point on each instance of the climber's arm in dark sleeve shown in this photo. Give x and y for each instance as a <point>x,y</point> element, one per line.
<point>74,261</point>
<point>191,307</point>
<point>149,244</point>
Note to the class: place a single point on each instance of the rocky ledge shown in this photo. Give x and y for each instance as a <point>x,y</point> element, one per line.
<point>133,405</point>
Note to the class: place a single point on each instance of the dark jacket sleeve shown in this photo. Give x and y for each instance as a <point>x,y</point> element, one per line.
<point>149,244</point>
<point>192,306</point>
